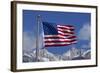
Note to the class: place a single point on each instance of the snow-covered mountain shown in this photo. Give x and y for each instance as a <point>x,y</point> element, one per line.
<point>77,54</point>
<point>71,53</point>
<point>45,55</point>
<point>87,54</point>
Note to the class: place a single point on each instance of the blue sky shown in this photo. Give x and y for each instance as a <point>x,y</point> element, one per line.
<point>81,21</point>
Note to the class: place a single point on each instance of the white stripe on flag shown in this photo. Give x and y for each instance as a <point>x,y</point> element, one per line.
<point>65,27</point>
<point>63,33</point>
<point>54,36</point>
<point>67,30</point>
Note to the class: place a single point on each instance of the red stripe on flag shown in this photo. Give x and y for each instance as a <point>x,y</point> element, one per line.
<point>55,41</point>
<point>72,29</point>
<point>65,27</point>
<point>71,37</point>
<point>54,45</point>
<point>68,26</point>
<point>65,31</point>
<point>65,34</point>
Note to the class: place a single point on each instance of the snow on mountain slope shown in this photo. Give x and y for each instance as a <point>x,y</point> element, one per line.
<point>75,53</point>
<point>45,55</point>
<point>71,53</point>
<point>87,54</point>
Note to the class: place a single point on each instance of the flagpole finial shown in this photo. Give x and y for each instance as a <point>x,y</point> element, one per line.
<point>39,17</point>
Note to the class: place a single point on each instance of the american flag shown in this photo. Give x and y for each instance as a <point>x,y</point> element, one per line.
<point>58,35</point>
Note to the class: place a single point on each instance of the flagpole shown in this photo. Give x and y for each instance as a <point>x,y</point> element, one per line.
<point>37,40</point>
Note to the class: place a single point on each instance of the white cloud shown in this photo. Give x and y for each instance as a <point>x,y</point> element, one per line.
<point>85,32</point>
<point>29,41</point>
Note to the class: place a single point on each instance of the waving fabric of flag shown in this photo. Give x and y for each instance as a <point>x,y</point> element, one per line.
<point>58,35</point>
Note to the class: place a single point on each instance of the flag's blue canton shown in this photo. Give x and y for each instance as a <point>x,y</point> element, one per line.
<point>50,28</point>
